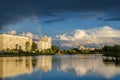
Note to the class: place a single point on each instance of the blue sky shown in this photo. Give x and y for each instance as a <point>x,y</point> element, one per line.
<point>54,17</point>
<point>51,27</point>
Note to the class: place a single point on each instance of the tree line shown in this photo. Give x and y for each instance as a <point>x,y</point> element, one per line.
<point>30,49</point>
<point>111,51</point>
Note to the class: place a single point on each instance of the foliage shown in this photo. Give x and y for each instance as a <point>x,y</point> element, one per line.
<point>111,51</point>
<point>27,46</point>
<point>106,50</point>
<point>115,48</point>
<point>34,46</point>
<point>64,51</point>
<point>72,51</point>
<point>55,49</point>
<point>85,51</point>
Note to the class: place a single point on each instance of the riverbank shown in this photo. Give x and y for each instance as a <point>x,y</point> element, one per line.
<point>38,54</point>
<point>20,54</point>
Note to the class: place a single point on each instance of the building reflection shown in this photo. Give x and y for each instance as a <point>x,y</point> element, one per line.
<point>79,65</point>
<point>13,66</point>
<point>44,63</point>
<point>88,65</point>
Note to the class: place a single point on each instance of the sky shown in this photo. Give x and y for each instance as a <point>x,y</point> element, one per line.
<point>69,22</point>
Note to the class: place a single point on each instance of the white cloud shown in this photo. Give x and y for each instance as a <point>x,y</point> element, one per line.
<point>25,34</point>
<point>97,37</point>
<point>12,32</point>
<point>29,34</point>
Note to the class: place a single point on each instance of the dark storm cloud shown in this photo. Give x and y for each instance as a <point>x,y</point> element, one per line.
<point>13,10</point>
<point>88,15</point>
<point>110,18</point>
<point>54,20</point>
<point>113,15</point>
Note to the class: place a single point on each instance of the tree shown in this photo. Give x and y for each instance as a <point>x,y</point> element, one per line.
<point>34,46</point>
<point>8,50</point>
<point>55,48</point>
<point>27,46</point>
<point>72,51</point>
<point>85,51</point>
<point>16,47</point>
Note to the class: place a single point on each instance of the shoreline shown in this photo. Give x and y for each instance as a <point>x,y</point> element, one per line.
<point>58,54</point>
<point>34,54</point>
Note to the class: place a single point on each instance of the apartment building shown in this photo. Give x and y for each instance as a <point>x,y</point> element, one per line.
<point>13,42</point>
<point>44,43</point>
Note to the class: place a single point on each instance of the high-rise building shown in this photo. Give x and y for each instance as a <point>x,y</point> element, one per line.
<point>80,47</point>
<point>8,41</point>
<point>13,42</point>
<point>44,43</point>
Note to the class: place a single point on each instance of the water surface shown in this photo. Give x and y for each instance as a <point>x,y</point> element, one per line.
<point>66,67</point>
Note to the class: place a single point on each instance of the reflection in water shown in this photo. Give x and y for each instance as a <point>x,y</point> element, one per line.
<point>111,60</point>
<point>13,66</point>
<point>67,67</point>
<point>44,63</point>
<point>83,67</point>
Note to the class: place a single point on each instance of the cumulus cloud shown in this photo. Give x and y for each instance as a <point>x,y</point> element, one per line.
<point>13,32</point>
<point>96,37</point>
<point>25,34</point>
<point>29,34</point>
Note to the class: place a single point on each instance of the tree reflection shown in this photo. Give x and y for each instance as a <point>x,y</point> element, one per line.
<point>111,60</point>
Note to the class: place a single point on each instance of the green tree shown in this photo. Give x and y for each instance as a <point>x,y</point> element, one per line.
<point>85,51</point>
<point>55,49</point>
<point>72,51</point>
<point>27,46</point>
<point>64,51</point>
<point>34,46</point>
<point>117,48</point>
<point>8,50</point>
<point>16,47</point>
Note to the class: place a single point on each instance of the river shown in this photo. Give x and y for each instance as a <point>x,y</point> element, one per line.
<point>63,67</point>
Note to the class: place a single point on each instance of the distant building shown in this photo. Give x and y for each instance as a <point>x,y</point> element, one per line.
<point>91,49</point>
<point>80,47</point>
<point>13,42</point>
<point>44,43</point>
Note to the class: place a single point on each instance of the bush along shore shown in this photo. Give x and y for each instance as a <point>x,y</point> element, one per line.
<point>32,52</point>
<point>113,51</point>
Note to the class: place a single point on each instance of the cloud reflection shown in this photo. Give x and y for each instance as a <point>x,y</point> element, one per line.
<point>85,65</point>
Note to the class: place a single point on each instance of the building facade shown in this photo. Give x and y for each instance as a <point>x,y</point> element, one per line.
<point>13,42</point>
<point>80,47</point>
<point>44,43</point>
